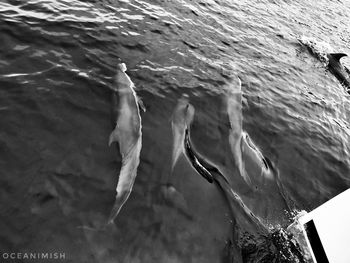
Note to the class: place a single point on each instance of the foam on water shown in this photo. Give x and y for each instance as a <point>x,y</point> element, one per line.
<point>319,48</point>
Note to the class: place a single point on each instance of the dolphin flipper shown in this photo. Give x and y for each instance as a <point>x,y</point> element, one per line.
<point>141,104</point>
<point>114,136</point>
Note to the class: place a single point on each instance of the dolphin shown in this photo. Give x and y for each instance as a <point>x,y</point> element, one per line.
<point>248,158</point>
<point>240,215</point>
<point>181,119</point>
<point>234,110</point>
<point>202,166</point>
<point>253,157</point>
<point>338,70</point>
<point>128,134</point>
<point>256,169</point>
<point>239,212</point>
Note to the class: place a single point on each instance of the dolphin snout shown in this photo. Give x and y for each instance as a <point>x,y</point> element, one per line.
<point>189,114</point>
<point>121,67</point>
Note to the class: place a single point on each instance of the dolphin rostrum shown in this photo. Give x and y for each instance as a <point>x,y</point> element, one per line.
<point>128,134</point>
<point>338,70</point>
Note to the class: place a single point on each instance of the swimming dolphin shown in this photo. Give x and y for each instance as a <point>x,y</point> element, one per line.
<point>181,119</point>
<point>247,156</point>
<point>234,110</point>
<point>338,70</point>
<point>203,167</point>
<point>128,134</point>
<point>239,212</point>
<point>255,160</point>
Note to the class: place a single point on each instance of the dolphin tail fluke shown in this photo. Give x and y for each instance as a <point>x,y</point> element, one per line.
<point>113,137</point>
<point>337,56</point>
<point>119,202</point>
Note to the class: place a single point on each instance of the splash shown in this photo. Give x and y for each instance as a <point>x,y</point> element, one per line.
<point>319,49</point>
<point>278,246</point>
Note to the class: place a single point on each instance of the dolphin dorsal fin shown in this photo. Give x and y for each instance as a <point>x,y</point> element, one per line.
<point>337,56</point>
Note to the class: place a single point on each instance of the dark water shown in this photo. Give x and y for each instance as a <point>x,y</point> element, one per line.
<point>57,60</point>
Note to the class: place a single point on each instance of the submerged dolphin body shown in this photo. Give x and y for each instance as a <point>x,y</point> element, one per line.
<point>181,119</point>
<point>247,156</point>
<point>203,167</point>
<point>234,110</point>
<point>182,116</point>
<point>254,159</point>
<point>128,134</point>
<point>240,214</point>
<point>260,173</point>
<point>338,70</point>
